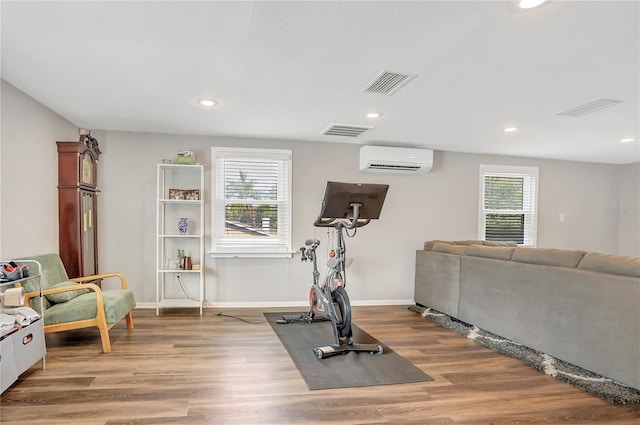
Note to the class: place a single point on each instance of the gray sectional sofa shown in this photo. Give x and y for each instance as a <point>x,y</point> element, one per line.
<point>580,307</point>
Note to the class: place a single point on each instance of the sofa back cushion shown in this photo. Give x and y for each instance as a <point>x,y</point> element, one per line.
<point>500,243</point>
<point>548,256</point>
<point>449,248</point>
<point>613,264</point>
<point>495,252</point>
<point>428,245</point>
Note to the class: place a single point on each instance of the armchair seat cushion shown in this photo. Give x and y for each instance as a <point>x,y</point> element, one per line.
<point>83,307</point>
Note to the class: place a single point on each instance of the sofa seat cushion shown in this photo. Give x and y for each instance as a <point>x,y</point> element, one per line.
<point>63,297</point>
<point>116,305</point>
<point>613,264</point>
<point>548,256</point>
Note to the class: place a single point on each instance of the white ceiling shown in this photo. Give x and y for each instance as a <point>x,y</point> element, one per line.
<point>286,70</point>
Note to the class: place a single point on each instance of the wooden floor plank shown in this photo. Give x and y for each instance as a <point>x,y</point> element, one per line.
<point>182,368</point>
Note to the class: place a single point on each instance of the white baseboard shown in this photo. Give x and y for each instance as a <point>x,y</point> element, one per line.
<point>272,304</point>
<point>382,302</point>
<point>145,305</point>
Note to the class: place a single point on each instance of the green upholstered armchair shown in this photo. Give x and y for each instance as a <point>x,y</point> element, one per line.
<point>77,303</point>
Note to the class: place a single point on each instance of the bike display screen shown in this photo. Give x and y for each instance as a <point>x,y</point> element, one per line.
<point>339,196</point>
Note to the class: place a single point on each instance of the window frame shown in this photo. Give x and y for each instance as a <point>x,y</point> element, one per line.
<point>530,199</point>
<point>223,247</point>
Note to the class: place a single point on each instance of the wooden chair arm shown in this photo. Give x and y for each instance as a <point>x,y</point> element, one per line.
<point>123,280</point>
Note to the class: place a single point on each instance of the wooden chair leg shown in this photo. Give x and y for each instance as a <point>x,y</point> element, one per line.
<point>129,319</point>
<point>104,336</point>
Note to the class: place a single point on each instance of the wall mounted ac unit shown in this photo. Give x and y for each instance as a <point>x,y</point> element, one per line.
<point>395,160</point>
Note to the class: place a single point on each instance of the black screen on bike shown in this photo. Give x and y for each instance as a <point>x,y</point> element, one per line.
<point>338,197</point>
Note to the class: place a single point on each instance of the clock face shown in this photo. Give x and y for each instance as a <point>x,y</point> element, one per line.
<point>87,174</point>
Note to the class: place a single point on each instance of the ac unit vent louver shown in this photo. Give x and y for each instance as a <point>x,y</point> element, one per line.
<point>388,83</point>
<point>391,167</point>
<point>346,130</point>
<point>589,107</point>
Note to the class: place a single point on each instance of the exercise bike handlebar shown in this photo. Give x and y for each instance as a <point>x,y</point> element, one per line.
<point>348,222</point>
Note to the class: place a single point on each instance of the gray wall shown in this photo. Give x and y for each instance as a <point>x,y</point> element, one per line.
<point>628,212</point>
<point>29,174</point>
<point>442,204</point>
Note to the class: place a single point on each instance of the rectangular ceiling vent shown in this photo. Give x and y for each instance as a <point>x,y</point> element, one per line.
<point>346,130</point>
<point>589,107</point>
<point>388,83</point>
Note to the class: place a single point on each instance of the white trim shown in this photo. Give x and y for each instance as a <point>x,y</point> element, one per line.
<point>365,303</point>
<point>277,304</point>
<point>254,152</point>
<point>508,169</point>
<point>532,175</point>
<point>145,306</point>
<point>228,247</point>
<point>218,254</point>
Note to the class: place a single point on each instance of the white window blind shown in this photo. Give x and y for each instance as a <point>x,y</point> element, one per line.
<point>508,204</point>
<point>252,205</point>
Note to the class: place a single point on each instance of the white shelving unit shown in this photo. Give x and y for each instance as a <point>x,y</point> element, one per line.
<point>176,286</point>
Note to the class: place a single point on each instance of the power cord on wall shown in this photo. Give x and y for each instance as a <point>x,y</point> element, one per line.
<point>208,308</point>
<point>184,290</point>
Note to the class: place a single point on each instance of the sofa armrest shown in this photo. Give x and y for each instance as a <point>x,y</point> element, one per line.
<point>437,281</point>
<point>123,280</point>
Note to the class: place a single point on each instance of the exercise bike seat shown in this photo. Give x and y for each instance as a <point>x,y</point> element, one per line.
<point>310,242</point>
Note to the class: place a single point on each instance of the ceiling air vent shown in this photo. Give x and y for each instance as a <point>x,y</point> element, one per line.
<point>346,130</point>
<point>589,107</point>
<point>388,83</point>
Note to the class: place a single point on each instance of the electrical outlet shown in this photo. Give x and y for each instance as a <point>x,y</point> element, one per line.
<point>178,278</point>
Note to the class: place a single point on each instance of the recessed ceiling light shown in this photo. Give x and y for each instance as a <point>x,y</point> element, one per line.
<point>207,102</point>
<point>374,115</point>
<point>510,129</point>
<point>529,4</point>
<point>627,140</point>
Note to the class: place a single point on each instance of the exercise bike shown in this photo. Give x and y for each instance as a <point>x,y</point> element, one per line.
<point>345,206</point>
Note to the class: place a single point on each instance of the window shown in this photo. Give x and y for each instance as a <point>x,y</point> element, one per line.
<point>508,204</point>
<point>252,203</point>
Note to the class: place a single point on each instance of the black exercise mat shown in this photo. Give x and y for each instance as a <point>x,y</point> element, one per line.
<point>340,371</point>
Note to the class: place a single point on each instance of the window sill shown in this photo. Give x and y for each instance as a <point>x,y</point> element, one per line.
<point>213,254</point>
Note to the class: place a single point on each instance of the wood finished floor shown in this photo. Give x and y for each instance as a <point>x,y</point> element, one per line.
<point>180,368</point>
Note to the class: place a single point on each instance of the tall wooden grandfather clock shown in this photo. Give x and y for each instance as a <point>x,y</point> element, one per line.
<point>77,205</point>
